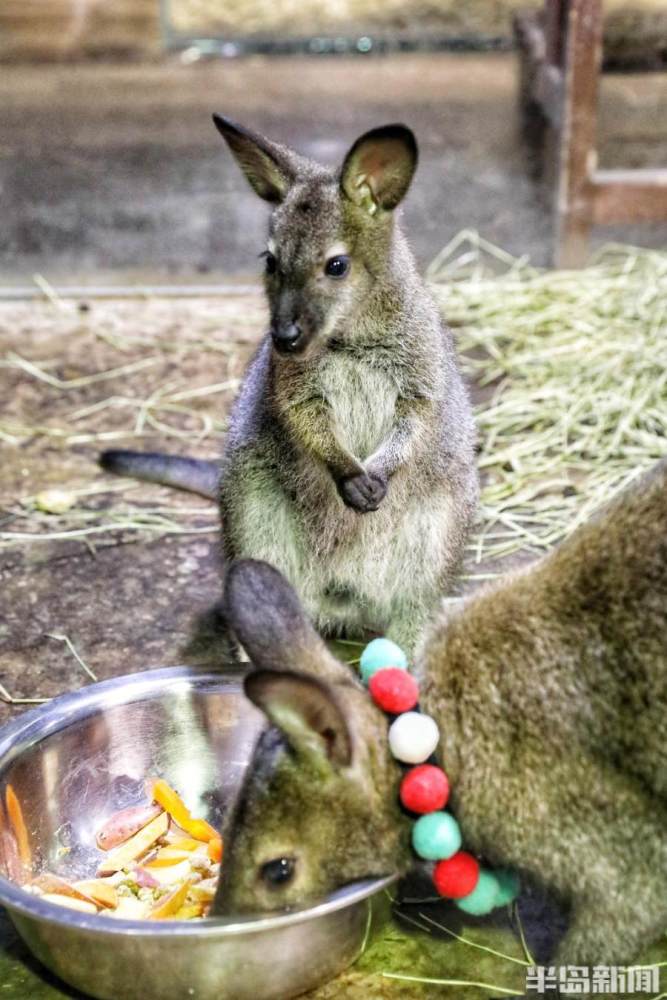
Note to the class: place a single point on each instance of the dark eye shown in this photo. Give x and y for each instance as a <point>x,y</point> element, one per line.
<point>337,267</point>
<point>280,871</point>
<point>270,263</point>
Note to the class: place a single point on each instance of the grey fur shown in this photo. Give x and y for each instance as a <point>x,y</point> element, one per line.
<point>349,463</point>
<point>550,691</point>
<point>194,475</point>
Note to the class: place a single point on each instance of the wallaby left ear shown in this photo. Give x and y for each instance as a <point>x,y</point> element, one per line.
<point>269,168</point>
<point>306,710</point>
<point>378,169</point>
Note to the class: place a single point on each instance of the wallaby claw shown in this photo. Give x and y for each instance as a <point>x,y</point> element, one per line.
<point>363,492</point>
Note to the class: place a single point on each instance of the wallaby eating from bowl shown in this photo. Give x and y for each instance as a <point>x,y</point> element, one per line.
<point>550,691</point>
<point>349,462</point>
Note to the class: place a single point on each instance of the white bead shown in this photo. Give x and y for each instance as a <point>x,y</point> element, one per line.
<point>413,737</point>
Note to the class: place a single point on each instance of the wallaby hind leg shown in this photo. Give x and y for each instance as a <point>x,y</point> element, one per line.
<point>622,906</point>
<point>258,519</point>
<point>409,621</point>
<point>613,931</point>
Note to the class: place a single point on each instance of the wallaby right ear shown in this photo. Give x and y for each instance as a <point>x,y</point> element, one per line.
<point>378,169</point>
<point>270,168</point>
<point>307,713</point>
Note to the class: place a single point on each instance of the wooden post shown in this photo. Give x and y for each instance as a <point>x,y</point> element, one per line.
<point>582,56</point>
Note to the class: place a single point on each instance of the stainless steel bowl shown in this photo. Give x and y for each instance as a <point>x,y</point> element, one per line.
<point>82,757</point>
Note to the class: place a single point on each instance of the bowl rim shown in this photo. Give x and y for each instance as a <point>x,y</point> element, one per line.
<point>35,725</point>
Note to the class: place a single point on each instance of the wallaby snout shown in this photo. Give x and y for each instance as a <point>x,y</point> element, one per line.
<point>288,339</point>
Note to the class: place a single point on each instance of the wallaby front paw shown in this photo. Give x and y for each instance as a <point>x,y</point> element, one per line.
<point>363,492</point>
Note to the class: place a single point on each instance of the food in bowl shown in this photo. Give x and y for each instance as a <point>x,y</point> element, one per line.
<point>157,862</point>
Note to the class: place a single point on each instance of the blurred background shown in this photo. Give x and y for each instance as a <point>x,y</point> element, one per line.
<point>111,171</point>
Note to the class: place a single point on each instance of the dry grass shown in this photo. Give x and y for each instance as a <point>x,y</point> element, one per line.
<point>571,366</point>
<point>574,364</point>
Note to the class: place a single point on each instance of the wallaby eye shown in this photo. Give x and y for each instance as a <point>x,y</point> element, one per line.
<point>280,871</point>
<point>270,263</point>
<point>337,267</point>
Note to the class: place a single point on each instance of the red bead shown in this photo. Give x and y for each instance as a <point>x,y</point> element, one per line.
<point>394,690</point>
<point>424,789</point>
<point>457,876</point>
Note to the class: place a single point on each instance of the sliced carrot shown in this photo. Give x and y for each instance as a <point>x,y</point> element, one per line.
<point>185,844</point>
<point>172,803</point>
<point>201,830</point>
<point>165,857</point>
<point>170,904</point>
<point>15,814</point>
<point>215,849</point>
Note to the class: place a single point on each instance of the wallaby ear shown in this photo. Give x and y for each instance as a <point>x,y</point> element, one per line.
<point>270,168</point>
<point>306,711</point>
<point>378,169</point>
<point>269,621</point>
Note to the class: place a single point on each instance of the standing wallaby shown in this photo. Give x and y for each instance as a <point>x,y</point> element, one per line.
<point>550,691</point>
<point>349,462</point>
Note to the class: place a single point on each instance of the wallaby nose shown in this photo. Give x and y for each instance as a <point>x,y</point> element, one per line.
<point>287,338</point>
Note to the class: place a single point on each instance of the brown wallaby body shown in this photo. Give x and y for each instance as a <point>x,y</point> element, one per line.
<point>349,463</point>
<point>550,691</point>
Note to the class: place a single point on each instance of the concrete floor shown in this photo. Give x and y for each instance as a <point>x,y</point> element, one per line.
<point>115,172</point>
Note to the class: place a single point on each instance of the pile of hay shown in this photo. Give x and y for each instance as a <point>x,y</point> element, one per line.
<point>574,364</point>
<point>569,370</point>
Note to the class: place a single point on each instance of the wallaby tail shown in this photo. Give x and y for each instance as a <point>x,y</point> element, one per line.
<point>193,474</point>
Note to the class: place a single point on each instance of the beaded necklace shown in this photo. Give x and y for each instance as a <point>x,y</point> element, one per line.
<point>424,790</point>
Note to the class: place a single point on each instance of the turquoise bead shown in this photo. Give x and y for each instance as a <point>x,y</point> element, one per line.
<point>378,654</point>
<point>508,887</point>
<point>484,896</point>
<point>436,836</point>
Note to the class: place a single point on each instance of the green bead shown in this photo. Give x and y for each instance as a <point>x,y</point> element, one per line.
<point>509,887</point>
<point>378,654</point>
<point>483,898</point>
<point>436,836</point>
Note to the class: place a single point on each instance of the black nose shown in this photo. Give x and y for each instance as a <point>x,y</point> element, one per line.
<point>287,338</point>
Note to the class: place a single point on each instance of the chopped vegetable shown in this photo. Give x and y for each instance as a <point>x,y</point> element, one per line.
<point>161,863</point>
<point>185,844</point>
<point>99,891</point>
<point>170,903</point>
<point>172,803</point>
<point>50,884</point>
<point>168,856</point>
<point>215,849</point>
<point>143,878</point>
<point>15,814</point>
<point>136,846</point>
<point>170,874</point>
<point>124,824</point>
<point>73,902</point>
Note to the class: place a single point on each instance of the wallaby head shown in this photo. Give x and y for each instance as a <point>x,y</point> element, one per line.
<point>330,233</point>
<point>320,804</point>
